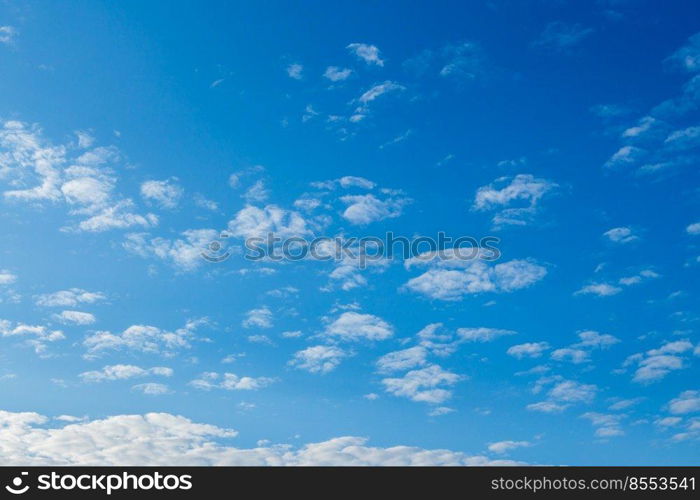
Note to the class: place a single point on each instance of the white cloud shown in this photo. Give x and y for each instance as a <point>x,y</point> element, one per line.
<point>336,74</point>
<point>506,446</point>
<point>686,402</point>
<point>160,439</point>
<point>654,364</point>
<point>482,334</point>
<point>36,336</point>
<point>608,425</point>
<point>693,229</point>
<point>143,338</point>
<point>123,372</point>
<point>368,53</point>
<point>259,222</point>
<point>570,391</point>
<point>644,125</point>
<point>363,109</point>
<point>575,356</point>
<point>76,317</point>
<point>515,198</point>
<point>528,350</point>
<point>184,253</point>
<point>7,34</point>
<point>352,326</point>
<point>318,359</point>
<point>350,181</point>
<point>580,352</point>
<point>688,56</point>
<point>621,235</point>
<point>668,421</point>
<point>625,156</point>
<point>439,411</point>
<point>404,359</point>
<point>165,193</point>
<point>599,289</point>
<point>7,278</point>
<point>83,179</point>
<point>367,208</point>
<point>152,388</point>
<point>295,71</point>
<point>451,278</point>
<point>596,340</point>
<point>69,298</point>
<point>257,193</point>
<point>230,382</point>
<point>258,318</point>
<point>560,36</point>
<point>117,216</point>
<point>426,385</point>
<point>547,407</point>
<point>205,203</point>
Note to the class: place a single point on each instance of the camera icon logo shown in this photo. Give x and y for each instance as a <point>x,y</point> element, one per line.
<point>16,488</point>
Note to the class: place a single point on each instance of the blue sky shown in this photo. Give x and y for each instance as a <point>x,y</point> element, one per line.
<point>133,134</point>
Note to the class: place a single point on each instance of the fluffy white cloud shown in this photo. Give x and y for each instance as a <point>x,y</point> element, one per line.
<point>528,350</point>
<point>693,229</point>
<point>596,340</point>
<point>7,34</point>
<point>160,439</point>
<point>570,391</point>
<point>76,317</point>
<point>117,216</point>
<point>363,108</point>
<point>184,253</point>
<point>482,334</point>
<point>599,289</point>
<point>426,385</point>
<point>547,407</point>
<point>36,336</point>
<point>152,388</point>
<point>621,235</point>
<point>346,182</point>
<point>69,298</point>
<point>451,278</point>
<point>686,402</point>
<point>575,356</point>
<point>404,359</point>
<point>295,71</point>
<point>7,278</point>
<point>258,318</point>
<point>506,446</point>
<point>318,359</point>
<point>83,179</point>
<point>516,198</point>
<point>259,222</point>
<point>367,208</point>
<point>142,338</point>
<point>654,364</point>
<point>353,326</point>
<point>230,382</point>
<point>257,193</point>
<point>580,351</point>
<point>122,372</point>
<point>560,36</point>
<point>336,74</point>
<point>368,53</point>
<point>608,425</point>
<point>625,156</point>
<point>166,193</point>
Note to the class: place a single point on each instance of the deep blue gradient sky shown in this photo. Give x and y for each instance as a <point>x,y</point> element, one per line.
<point>567,130</point>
